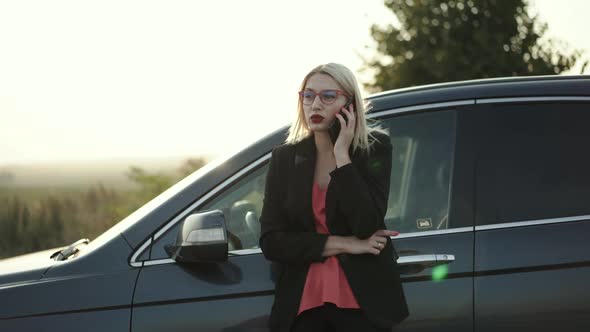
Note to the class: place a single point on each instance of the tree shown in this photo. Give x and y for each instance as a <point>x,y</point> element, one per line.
<point>443,40</point>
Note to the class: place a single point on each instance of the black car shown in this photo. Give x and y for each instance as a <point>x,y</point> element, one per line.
<point>490,189</point>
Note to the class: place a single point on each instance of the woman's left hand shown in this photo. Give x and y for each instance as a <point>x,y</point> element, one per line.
<point>346,134</point>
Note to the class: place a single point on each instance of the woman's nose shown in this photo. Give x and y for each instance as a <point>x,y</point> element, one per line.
<point>316,102</point>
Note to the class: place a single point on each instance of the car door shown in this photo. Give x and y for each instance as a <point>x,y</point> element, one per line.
<point>430,204</point>
<point>435,246</point>
<point>532,254</point>
<point>232,296</point>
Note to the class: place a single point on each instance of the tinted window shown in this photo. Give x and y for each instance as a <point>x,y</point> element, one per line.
<point>533,162</point>
<point>423,148</point>
<point>241,205</point>
<point>423,151</point>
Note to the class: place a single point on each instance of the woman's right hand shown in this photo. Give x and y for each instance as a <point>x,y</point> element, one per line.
<point>371,245</point>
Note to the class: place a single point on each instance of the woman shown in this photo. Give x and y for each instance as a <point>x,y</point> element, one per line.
<point>323,215</point>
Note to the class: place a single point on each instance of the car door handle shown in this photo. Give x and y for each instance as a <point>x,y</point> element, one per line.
<point>426,260</point>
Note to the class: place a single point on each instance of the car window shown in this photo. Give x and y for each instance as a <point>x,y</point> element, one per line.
<point>423,148</point>
<point>422,160</point>
<point>241,204</point>
<point>533,162</point>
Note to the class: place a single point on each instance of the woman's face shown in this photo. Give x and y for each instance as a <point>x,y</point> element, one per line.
<point>320,114</point>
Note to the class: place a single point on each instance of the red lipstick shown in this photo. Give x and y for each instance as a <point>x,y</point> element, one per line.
<point>316,118</point>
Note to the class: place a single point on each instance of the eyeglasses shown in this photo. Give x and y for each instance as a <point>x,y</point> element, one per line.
<point>326,96</point>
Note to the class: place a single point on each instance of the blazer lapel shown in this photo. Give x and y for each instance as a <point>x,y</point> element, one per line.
<point>304,168</point>
<point>304,160</point>
<point>331,201</point>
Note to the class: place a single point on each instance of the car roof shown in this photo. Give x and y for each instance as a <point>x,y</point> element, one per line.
<point>510,87</point>
<point>137,227</point>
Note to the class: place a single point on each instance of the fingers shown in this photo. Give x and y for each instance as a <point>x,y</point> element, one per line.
<point>377,244</point>
<point>374,251</point>
<point>350,116</point>
<point>386,232</point>
<point>378,240</point>
<point>350,107</point>
<point>341,119</point>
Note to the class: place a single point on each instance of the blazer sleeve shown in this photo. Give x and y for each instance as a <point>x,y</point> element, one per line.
<point>363,195</point>
<point>278,241</point>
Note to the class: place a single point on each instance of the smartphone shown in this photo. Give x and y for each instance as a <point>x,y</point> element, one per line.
<point>335,128</point>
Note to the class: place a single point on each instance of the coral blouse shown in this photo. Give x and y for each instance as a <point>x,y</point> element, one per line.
<point>326,281</point>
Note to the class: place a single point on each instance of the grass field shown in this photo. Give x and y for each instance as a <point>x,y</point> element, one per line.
<point>49,205</point>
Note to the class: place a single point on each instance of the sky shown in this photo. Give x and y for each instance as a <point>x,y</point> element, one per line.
<point>95,80</point>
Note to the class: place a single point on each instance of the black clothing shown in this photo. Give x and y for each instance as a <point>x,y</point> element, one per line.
<point>331,318</point>
<point>356,203</point>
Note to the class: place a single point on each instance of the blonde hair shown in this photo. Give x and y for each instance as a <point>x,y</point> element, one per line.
<point>348,83</point>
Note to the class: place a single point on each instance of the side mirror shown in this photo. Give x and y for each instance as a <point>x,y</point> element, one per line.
<point>202,238</point>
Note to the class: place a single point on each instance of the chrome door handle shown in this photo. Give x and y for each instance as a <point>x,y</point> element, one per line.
<point>426,260</point>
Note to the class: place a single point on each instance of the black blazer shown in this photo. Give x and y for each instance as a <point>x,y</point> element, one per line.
<point>356,202</point>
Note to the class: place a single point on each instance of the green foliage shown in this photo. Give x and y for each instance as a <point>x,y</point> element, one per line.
<point>150,185</point>
<point>33,220</point>
<point>442,40</point>
<point>191,165</point>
